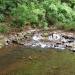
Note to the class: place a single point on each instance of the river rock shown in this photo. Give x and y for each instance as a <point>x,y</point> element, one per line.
<point>43,39</point>
<point>37,37</point>
<point>2,40</point>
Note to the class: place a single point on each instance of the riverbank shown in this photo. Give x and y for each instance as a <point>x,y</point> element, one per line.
<point>57,39</point>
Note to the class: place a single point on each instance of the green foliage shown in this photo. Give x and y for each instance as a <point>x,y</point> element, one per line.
<point>71,3</point>
<point>40,13</point>
<point>68,27</point>
<point>29,13</point>
<point>61,12</point>
<point>3,28</point>
<point>6,7</point>
<point>2,18</point>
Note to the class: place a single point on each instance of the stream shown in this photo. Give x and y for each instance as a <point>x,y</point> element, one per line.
<point>22,45</point>
<point>43,39</point>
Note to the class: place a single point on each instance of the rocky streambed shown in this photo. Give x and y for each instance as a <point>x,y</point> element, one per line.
<point>40,38</point>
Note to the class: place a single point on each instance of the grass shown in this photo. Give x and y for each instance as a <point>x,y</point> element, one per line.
<point>66,26</point>
<point>39,62</point>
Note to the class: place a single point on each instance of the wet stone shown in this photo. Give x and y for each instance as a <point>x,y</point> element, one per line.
<point>43,39</point>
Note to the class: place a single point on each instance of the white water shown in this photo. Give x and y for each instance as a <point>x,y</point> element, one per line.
<point>38,39</point>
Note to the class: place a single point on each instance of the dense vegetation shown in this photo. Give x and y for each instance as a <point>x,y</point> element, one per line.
<point>40,13</point>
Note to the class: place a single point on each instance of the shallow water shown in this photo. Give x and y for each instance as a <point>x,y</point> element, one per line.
<point>30,56</point>
<point>10,55</point>
<point>44,39</point>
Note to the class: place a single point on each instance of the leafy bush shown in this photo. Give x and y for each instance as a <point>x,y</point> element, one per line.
<point>7,5</point>
<point>29,13</point>
<point>40,13</point>
<point>2,18</point>
<point>20,15</point>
